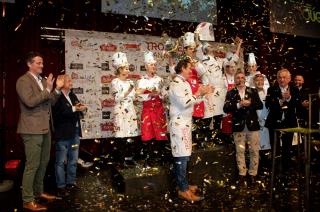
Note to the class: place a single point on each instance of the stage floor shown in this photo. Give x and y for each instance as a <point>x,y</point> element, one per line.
<point>100,188</point>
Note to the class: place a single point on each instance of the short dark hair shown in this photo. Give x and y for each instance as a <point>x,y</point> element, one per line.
<point>258,76</point>
<point>299,75</point>
<point>31,55</point>
<point>183,63</point>
<point>239,72</point>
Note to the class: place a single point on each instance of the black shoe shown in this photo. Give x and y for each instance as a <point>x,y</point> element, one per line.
<point>241,180</point>
<point>72,187</point>
<point>62,192</point>
<point>252,181</point>
<point>120,165</point>
<point>149,164</point>
<point>130,163</point>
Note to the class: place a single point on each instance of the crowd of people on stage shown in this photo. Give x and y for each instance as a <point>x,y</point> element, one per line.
<point>205,90</point>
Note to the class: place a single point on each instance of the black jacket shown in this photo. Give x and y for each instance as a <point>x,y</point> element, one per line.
<point>282,116</point>
<point>244,116</point>
<point>65,120</point>
<point>302,112</point>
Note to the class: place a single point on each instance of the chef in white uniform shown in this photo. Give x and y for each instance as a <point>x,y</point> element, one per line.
<point>181,108</point>
<point>213,104</point>
<point>153,116</point>
<point>252,69</point>
<point>124,113</point>
<point>214,75</point>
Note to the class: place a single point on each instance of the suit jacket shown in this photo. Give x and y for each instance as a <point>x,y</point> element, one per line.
<point>244,116</point>
<point>65,120</point>
<point>282,116</point>
<point>35,105</point>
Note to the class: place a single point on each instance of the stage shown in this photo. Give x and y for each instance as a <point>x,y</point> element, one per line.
<point>104,187</point>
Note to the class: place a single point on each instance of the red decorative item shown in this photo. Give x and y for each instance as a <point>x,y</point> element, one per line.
<point>108,126</point>
<point>108,47</point>
<point>134,76</point>
<point>107,78</point>
<point>108,103</point>
<point>12,164</point>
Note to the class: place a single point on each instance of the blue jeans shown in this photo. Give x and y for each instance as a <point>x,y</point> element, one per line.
<point>180,172</point>
<point>67,150</point>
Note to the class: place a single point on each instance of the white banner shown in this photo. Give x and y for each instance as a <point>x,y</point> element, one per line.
<point>88,56</point>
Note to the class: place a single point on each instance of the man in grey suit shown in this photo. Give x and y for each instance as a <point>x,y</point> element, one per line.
<point>36,95</point>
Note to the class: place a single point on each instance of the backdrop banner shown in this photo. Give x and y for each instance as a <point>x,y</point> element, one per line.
<point>89,63</point>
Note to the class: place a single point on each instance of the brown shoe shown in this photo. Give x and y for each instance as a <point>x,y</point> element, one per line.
<point>193,188</point>
<point>47,196</point>
<point>189,196</point>
<point>196,197</point>
<point>33,206</point>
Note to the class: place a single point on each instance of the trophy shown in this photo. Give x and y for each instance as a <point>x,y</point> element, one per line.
<point>170,46</point>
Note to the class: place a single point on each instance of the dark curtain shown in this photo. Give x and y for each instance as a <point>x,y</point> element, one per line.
<point>14,46</point>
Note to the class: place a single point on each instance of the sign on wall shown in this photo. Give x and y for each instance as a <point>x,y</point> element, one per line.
<point>295,17</point>
<point>183,10</point>
<point>88,57</point>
